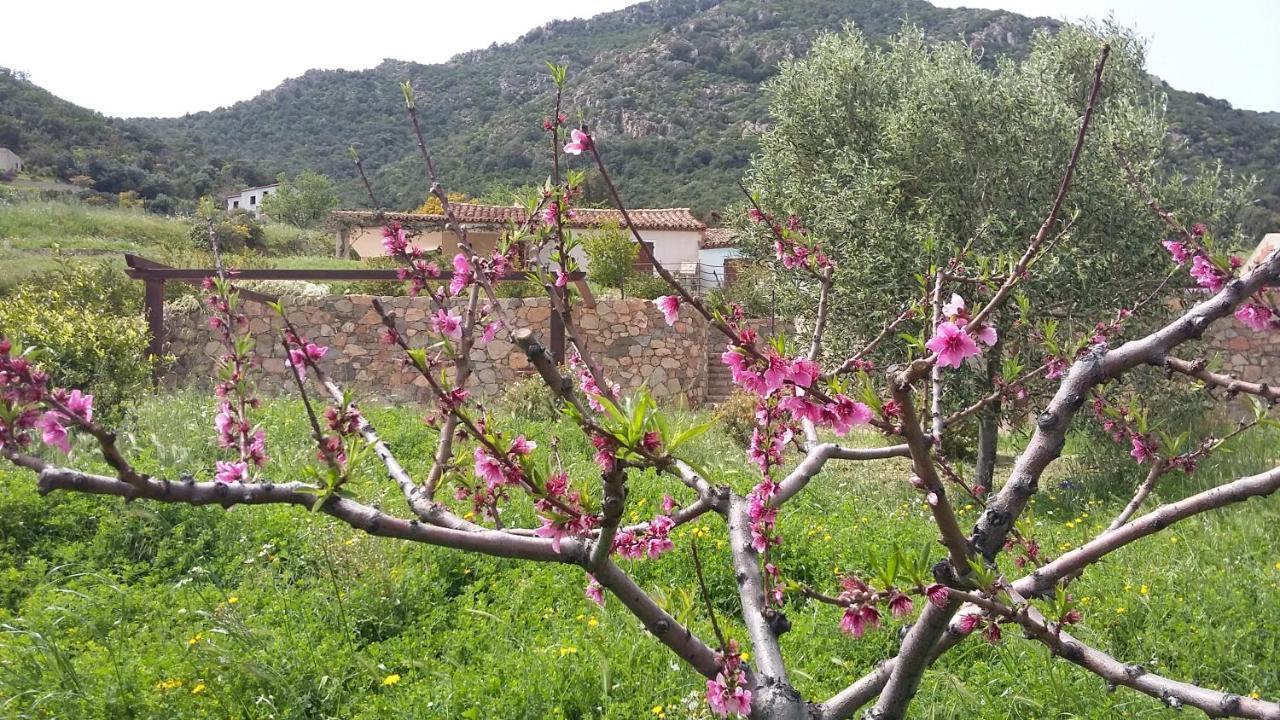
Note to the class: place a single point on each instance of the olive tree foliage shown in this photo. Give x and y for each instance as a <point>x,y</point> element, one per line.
<point>913,151</point>
<point>303,202</point>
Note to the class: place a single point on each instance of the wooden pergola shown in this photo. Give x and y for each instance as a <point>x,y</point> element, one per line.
<point>154,275</point>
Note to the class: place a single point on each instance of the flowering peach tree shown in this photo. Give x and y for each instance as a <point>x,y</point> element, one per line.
<point>806,404</point>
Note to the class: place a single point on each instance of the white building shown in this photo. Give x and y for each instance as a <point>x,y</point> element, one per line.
<point>718,258</point>
<point>250,198</point>
<point>9,160</point>
<point>674,234</point>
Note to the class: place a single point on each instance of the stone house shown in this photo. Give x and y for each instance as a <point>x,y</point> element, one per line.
<point>9,160</point>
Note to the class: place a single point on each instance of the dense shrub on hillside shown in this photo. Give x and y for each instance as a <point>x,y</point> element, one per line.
<point>235,231</point>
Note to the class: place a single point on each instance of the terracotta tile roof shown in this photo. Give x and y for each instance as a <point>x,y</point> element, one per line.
<point>474,214</point>
<point>713,238</point>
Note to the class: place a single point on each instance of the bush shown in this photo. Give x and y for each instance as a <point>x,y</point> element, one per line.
<point>646,287</point>
<point>736,417</point>
<point>529,399</point>
<point>235,231</point>
<point>88,333</point>
<point>520,289</point>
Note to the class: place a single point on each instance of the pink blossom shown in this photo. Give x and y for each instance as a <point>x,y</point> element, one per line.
<point>900,604</point>
<point>461,274</point>
<point>986,334</point>
<point>80,405</point>
<point>992,633</point>
<point>1207,274</point>
<point>803,372</point>
<point>393,239</point>
<point>562,279</point>
<point>521,446</point>
<point>1199,229</point>
<point>300,354</point>
<point>952,344</point>
<point>844,413</point>
<point>670,307</point>
<point>594,591</point>
<point>1257,317</point>
<point>488,468</point>
<point>725,702</point>
<point>579,142</point>
<point>1054,367</point>
<point>1143,449</point>
<point>490,331</point>
<point>668,504</point>
<point>1177,250</point>
<point>53,433</point>
<point>803,407</point>
<point>550,213</point>
<point>857,619</point>
<point>552,530</point>
<point>938,594</point>
<point>970,622</point>
<point>229,472</point>
<point>447,324</point>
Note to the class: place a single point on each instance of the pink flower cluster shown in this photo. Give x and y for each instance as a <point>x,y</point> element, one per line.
<point>791,243</point>
<point>235,391</point>
<point>727,693</point>
<point>651,541</point>
<point>555,523</point>
<point>591,390</point>
<point>953,339</point>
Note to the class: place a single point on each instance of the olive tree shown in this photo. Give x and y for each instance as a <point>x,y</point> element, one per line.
<point>893,154</point>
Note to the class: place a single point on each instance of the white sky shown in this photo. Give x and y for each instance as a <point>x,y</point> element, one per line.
<point>1224,48</point>
<point>169,57</point>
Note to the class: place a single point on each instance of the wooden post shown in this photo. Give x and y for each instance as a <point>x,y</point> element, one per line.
<point>557,330</point>
<point>153,299</point>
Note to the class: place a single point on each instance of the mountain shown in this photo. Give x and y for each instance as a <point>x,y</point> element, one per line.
<point>671,87</point>
<point>66,140</point>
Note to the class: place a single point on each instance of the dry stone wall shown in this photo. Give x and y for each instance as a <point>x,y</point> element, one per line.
<point>1248,354</point>
<point>628,337</point>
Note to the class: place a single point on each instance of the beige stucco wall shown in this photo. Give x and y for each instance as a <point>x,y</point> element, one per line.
<point>672,247</point>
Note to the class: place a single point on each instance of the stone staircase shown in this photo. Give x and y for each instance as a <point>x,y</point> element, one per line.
<point>719,379</point>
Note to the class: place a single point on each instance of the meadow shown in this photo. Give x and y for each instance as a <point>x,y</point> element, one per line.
<point>111,610</point>
<point>37,235</point>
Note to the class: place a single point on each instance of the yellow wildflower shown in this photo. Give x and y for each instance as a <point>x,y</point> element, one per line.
<point>593,622</point>
<point>199,688</point>
<point>390,680</point>
<point>657,710</point>
<point>1144,590</point>
<point>195,638</point>
<point>233,600</point>
<point>169,684</point>
<point>567,650</point>
<point>1120,611</point>
<point>1255,694</point>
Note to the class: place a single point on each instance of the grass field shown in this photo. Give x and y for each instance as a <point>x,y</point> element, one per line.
<point>151,611</point>
<point>31,230</point>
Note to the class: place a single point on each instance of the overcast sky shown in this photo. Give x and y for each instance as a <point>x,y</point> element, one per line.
<point>166,58</point>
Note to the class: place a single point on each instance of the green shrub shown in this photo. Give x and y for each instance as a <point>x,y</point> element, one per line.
<point>86,324</point>
<point>235,231</point>
<point>736,417</point>
<point>529,399</point>
<point>646,287</point>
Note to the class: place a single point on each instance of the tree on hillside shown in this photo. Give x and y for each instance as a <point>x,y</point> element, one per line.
<point>922,151</point>
<point>432,206</point>
<point>611,256</point>
<point>303,202</point>
<point>995,580</point>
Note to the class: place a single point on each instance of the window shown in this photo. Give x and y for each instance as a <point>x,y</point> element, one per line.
<point>235,204</point>
<point>253,199</point>
<point>265,193</point>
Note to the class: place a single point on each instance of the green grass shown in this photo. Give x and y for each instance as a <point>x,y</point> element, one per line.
<point>124,610</point>
<point>30,230</point>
